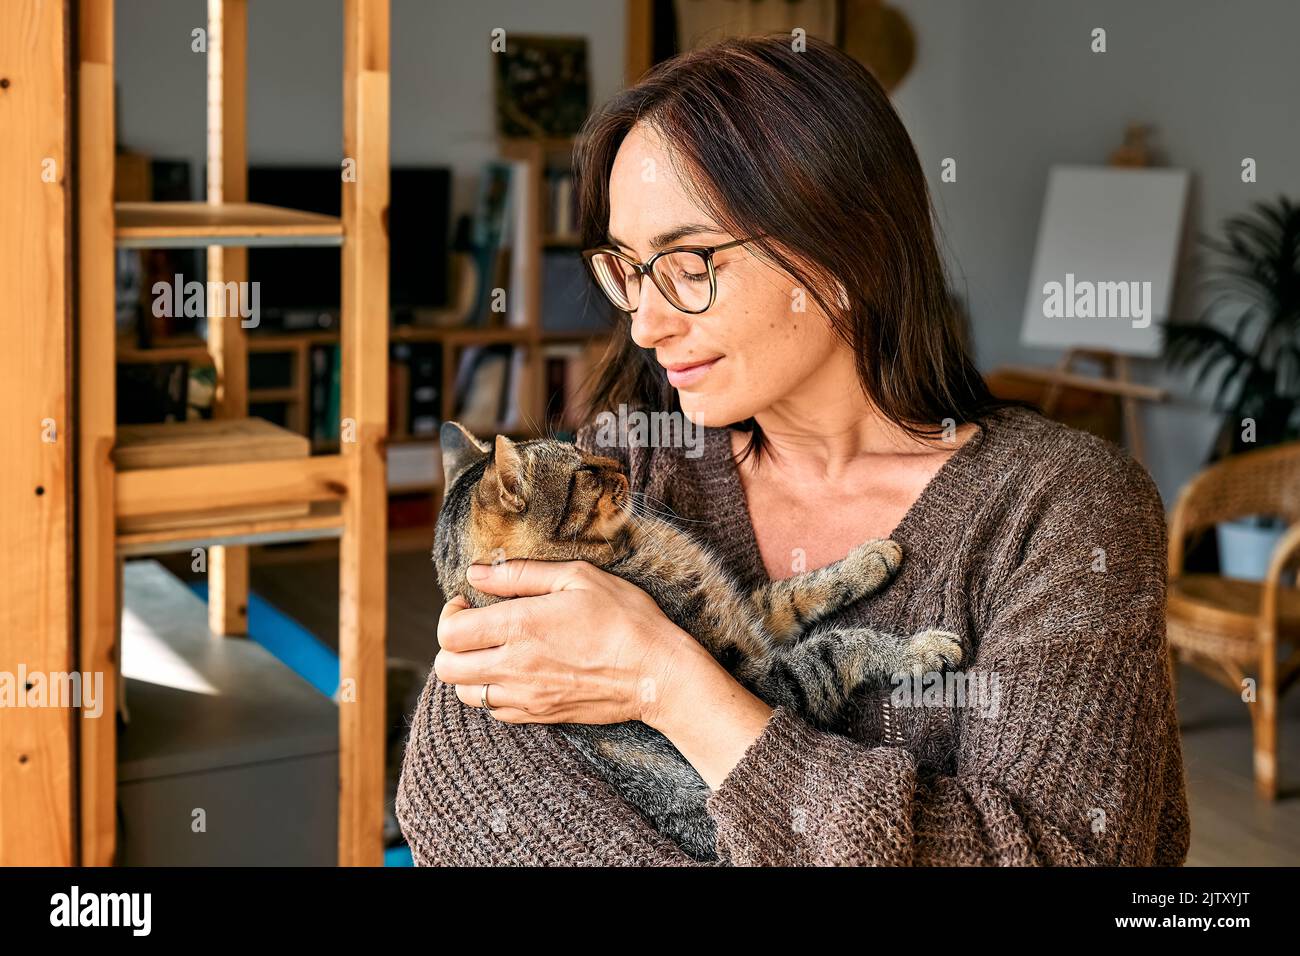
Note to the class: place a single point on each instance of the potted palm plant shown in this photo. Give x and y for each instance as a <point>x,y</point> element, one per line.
<point>1247,347</point>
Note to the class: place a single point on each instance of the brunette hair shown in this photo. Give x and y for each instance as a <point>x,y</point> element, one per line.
<point>804,150</point>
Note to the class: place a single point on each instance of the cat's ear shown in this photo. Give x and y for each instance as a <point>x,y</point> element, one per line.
<point>460,449</point>
<point>509,466</point>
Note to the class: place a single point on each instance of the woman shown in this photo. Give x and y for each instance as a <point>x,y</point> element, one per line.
<point>809,328</point>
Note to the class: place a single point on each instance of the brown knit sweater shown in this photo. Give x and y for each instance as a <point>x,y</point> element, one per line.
<point>1043,547</point>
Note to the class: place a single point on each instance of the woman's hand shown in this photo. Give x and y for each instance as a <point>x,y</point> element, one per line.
<point>579,646</point>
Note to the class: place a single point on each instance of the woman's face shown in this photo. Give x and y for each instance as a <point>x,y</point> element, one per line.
<point>762,338</point>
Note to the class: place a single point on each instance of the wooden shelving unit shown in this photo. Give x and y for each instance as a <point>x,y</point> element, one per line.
<point>207,502</point>
<point>294,396</point>
<point>160,225</point>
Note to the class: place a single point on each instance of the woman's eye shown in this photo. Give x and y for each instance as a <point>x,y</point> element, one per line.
<point>694,276</point>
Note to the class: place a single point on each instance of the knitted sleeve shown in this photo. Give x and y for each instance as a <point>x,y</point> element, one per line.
<point>1079,760</point>
<point>477,792</point>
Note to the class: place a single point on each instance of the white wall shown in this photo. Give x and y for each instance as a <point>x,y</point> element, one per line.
<point>442,106</point>
<point>1006,87</point>
<point>1010,87</point>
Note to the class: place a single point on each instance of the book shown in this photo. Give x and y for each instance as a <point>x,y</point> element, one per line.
<point>568,370</point>
<point>324,394</point>
<point>482,382</point>
<point>561,206</point>
<point>489,238</point>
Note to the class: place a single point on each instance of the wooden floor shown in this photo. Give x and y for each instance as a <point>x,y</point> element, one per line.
<point>1229,825</point>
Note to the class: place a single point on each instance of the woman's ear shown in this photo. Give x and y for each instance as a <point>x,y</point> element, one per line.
<point>460,449</point>
<point>509,467</point>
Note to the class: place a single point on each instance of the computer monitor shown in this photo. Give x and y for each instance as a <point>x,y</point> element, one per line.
<point>299,285</point>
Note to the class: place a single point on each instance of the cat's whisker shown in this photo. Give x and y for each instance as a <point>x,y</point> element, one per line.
<point>643,504</point>
<point>662,504</point>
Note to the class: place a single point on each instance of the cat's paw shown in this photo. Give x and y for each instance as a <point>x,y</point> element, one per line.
<point>930,651</point>
<point>874,562</point>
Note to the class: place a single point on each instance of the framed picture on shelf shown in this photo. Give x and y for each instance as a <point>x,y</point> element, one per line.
<point>542,88</point>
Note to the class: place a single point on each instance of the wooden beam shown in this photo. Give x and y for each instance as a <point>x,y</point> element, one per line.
<point>1105,386</point>
<point>227,183</point>
<point>638,54</point>
<point>99,610</point>
<point>199,488</point>
<point>37,748</point>
<point>363,550</point>
<point>97,583</point>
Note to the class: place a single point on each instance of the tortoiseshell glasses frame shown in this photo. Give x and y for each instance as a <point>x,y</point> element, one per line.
<point>673,271</point>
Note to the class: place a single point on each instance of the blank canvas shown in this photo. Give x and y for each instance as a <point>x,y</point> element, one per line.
<point>1114,233</point>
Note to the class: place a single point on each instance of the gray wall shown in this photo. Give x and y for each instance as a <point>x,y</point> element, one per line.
<point>1006,87</point>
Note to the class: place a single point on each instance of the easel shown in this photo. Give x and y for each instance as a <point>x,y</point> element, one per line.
<point>1113,380</point>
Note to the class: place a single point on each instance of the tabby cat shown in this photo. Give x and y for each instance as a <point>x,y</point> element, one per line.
<point>550,501</point>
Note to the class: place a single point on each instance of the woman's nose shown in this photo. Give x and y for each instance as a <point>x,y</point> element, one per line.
<point>655,319</point>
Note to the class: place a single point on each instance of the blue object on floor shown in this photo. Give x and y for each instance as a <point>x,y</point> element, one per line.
<point>302,652</point>
<point>398,856</point>
<point>291,643</point>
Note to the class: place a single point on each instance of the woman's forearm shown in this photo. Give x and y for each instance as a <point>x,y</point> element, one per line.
<point>705,712</point>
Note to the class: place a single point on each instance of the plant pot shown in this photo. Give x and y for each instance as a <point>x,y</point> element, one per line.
<point>1246,546</point>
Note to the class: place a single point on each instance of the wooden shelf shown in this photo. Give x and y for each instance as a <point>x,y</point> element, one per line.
<point>275,396</point>
<point>515,147</point>
<point>206,442</point>
<point>157,225</point>
<point>575,335</point>
<point>173,481</point>
<point>324,519</point>
<point>557,241</point>
<point>182,349</point>
<point>191,348</point>
<point>461,335</point>
<point>285,341</point>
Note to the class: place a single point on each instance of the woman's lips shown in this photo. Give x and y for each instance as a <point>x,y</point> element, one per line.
<point>680,376</point>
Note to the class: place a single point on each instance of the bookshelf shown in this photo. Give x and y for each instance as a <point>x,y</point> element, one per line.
<point>290,394</point>
<point>196,488</point>
<point>234,481</point>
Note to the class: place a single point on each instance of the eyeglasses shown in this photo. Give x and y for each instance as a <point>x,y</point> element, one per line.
<point>683,274</point>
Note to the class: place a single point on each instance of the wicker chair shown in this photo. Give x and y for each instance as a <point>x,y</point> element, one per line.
<point>1228,628</point>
